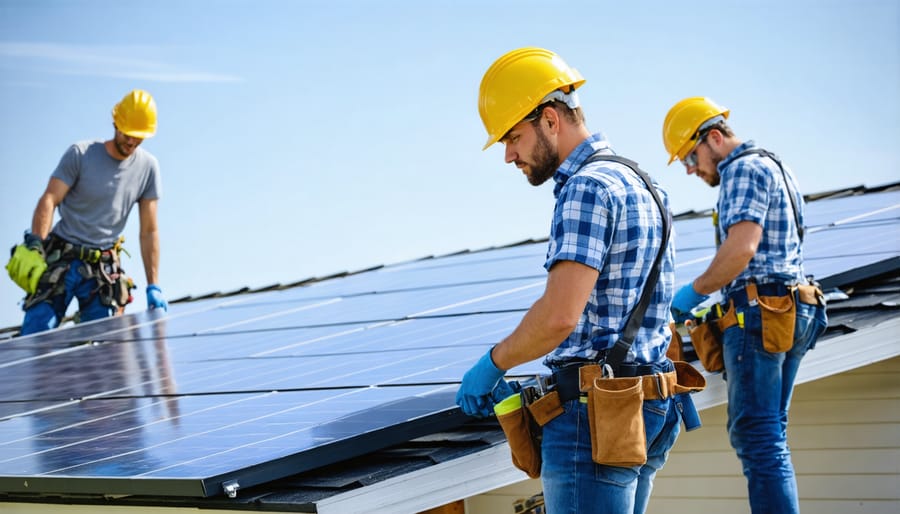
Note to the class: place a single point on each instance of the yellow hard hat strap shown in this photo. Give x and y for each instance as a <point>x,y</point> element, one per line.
<point>706,126</point>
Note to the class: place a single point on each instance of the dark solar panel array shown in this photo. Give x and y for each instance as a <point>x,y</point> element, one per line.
<point>226,393</point>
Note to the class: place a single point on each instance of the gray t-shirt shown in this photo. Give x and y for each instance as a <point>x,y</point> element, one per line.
<point>102,191</point>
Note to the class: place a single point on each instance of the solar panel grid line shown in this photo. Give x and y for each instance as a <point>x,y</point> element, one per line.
<point>99,329</point>
<point>698,260</point>
<point>318,339</point>
<point>56,404</point>
<point>476,300</point>
<point>272,315</point>
<point>214,332</point>
<point>92,438</point>
<point>393,307</point>
<point>143,449</point>
<point>855,218</point>
<point>250,420</point>
<point>867,244</point>
<point>205,371</point>
<point>880,222</point>
<point>206,454</point>
<point>25,360</point>
<point>224,385</point>
<point>216,407</point>
<point>394,290</point>
<point>80,423</point>
<point>229,304</point>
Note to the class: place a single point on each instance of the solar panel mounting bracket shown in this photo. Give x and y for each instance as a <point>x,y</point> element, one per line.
<point>231,488</point>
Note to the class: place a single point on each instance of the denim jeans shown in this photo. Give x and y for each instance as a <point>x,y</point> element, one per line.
<point>574,484</point>
<point>49,314</point>
<point>760,385</point>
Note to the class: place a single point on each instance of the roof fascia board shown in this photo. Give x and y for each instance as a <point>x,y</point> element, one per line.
<point>433,486</point>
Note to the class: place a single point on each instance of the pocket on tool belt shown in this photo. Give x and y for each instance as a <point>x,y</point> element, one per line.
<point>616,414</point>
<point>545,408</point>
<point>707,341</point>
<point>778,317</point>
<point>810,294</point>
<point>522,433</point>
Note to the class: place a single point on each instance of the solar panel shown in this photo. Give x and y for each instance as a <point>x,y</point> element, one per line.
<point>226,393</point>
<point>842,234</point>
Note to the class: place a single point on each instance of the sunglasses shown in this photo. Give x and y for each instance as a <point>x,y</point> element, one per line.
<point>690,160</point>
<point>533,115</point>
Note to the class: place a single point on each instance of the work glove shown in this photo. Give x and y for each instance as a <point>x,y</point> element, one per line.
<point>482,386</point>
<point>686,299</point>
<point>27,263</point>
<point>155,298</point>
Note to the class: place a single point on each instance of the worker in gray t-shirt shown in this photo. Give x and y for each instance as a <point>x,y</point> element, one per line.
<point>94,188</point>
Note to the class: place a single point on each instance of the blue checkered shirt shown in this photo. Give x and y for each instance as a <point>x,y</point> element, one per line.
<point>752,189</point>
<point>606,218</point>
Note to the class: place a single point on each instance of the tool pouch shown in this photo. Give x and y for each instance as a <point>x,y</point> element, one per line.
<point>616,417</point>
<point>810,294</point>
<point>522,433</point>
<point>707,341</point>
<point>546,408</point>
<point>778,317</point>
<point>122,290</point>
<point>689,379</point>
<point>675,352</point>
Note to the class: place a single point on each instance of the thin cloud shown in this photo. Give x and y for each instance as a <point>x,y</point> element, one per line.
<point>103,61</point>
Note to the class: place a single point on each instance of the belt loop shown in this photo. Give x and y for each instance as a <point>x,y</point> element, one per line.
<point>660,386</point>
<point>752,295</point>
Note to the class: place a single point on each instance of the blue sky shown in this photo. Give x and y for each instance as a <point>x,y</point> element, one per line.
<point>300,139</point>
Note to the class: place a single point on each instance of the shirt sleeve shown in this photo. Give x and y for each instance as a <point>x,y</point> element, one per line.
<point>581,225</point>
<point>153,187</point>
<point>69,166</point>
<point>745,194</point>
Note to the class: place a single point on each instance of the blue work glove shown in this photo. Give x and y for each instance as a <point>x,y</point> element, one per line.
<point>155,298</point>
<point>33,242</point>
<point>686,299</point>
<point>476,396</point>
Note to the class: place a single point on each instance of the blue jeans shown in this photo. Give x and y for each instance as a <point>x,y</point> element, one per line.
<point>574,484</point>
<point>47,315</point>
<point>760,385</point>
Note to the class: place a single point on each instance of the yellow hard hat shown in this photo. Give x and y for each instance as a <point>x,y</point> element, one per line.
<point>684,121</point>
<point>135,115</point>
<point>516,83</point>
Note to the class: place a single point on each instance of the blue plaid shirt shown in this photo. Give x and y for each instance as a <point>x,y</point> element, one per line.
<point>752,189</point>
<point>606,218</point>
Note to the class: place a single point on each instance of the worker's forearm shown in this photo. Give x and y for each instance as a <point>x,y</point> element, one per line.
<point>537,335</point>
<point>43,217</point>
<point>150,256</point>
<point>732,257</point>
<point>727,264</point>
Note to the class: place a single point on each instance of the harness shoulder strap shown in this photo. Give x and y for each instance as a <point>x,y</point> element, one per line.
<point>617,354</point>
<point>765,153</point>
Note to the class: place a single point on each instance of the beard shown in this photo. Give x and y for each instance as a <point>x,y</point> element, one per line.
<point>546,159</point>
<point>713,178</point>
<point>122,150</point>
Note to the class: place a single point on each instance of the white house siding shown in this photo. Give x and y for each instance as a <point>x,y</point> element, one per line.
<point>844,434</point>
<point>500,501</point>
<point>845,437</point>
